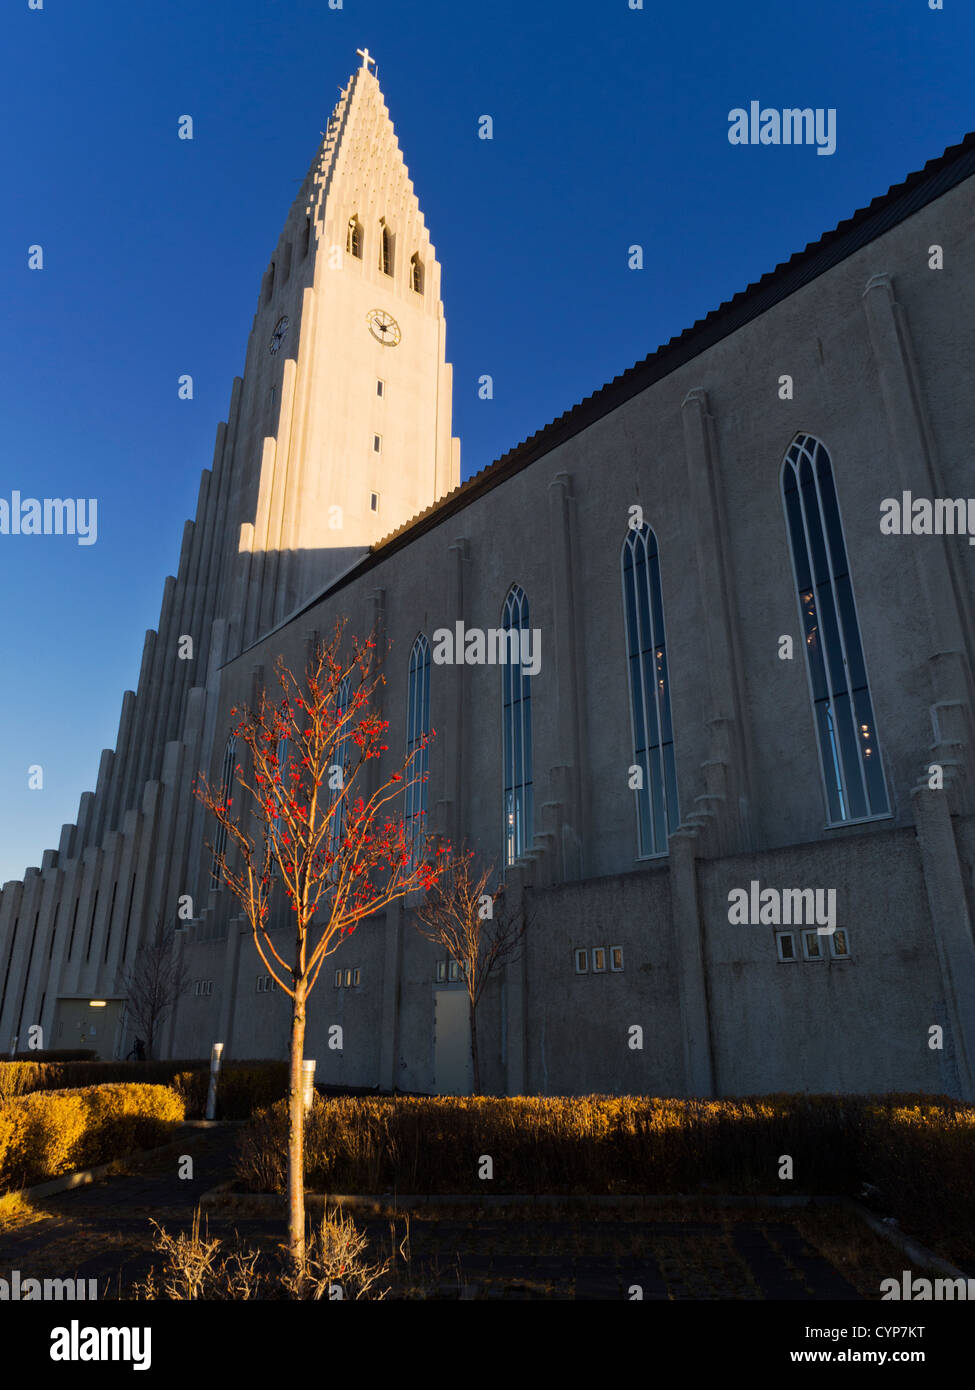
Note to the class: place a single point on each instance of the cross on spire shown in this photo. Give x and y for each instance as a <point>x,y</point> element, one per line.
<point>366,57</point>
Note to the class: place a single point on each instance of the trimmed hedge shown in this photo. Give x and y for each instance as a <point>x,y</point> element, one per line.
<point>55,1055</point>
<point>52,1132</point>
<point>918,1151</point>
<point>243,1088</point>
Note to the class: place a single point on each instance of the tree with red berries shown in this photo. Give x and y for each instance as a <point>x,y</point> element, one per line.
<point>313,831</point>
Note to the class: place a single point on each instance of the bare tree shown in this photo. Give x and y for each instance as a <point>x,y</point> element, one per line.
<point>312,834</point>
<point>153,985</point>
<point>474,926</point>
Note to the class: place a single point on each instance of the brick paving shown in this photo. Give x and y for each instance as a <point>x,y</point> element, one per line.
<point>102,1231</point>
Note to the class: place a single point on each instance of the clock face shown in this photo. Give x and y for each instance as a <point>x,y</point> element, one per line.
<point>383,327</point>
<point>277,337</point>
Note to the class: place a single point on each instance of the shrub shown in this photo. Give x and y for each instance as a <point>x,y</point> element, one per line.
<point>47,1133</point>
<point>916,1151</point>
<point>54,1055</point>
<point>244,1086</point>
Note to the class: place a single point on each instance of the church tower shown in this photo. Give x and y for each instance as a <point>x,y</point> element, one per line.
<point>338,432</point>
<point>346,405</point>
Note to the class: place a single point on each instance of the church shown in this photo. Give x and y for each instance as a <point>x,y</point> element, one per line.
<point>728,767</point>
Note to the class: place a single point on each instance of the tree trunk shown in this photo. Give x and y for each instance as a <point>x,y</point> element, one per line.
<point>296,1136</point>
<point>474,1057</point>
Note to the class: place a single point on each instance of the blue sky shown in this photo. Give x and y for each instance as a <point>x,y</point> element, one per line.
<point>610,128</point>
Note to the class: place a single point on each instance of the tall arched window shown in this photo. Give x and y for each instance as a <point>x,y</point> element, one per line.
<point>226,790</point>
<point>516,713</point>
<point>848,747</point>
<point>353,240</point>
<point>385,248</point>
<point>653,731</point>
<point>336,830</point>
<point>281,753</point>
<point>416,273</point>
<point>417,727</point>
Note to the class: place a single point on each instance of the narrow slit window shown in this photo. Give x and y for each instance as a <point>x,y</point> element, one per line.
<point>517,733</point>
<point>654,761</point>
<point>417,732</point>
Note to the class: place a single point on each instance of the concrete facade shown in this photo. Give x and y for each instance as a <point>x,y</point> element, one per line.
<point>879,347</point>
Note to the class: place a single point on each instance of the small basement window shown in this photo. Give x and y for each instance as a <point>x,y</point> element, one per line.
<point>785,945</point>
<point>812,945</point>
<point>839,944</point>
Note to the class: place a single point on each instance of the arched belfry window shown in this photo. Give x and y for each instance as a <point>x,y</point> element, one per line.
<point>842,709</point>
<point>417,728</point>
<point>336,830</point>
<point>226,793</point>
<point>353,240</point>
<point>653,730</point>
<point>385,248</point>
<point>516,711</point>
<point>416,273</point>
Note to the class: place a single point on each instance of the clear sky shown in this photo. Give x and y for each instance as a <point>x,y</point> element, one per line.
<point>610,128</point>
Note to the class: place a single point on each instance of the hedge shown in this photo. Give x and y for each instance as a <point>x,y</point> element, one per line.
<point>244,1086</point>
<point>917,1151</point>
<point>48,1133</point>
<point>55,1055</point>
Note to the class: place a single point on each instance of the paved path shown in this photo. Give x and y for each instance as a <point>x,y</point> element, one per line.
<point>102,1231</point>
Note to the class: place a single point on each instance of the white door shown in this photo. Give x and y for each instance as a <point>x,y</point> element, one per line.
<point>453,1071</point>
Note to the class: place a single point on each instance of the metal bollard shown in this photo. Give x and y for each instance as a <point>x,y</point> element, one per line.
<point>216,1053</point>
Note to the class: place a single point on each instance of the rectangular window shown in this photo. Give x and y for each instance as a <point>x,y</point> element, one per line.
<point>616,957</point>
<point>380,387</point>
<point>598,958</point>
<point>374,501</point>
<point>453,971</point>
<point>348,978</point>
<point>785,945</point>
<point>356,977</point>
<point>582,961</point>
<point>377,444</point>
<point>260,984</point>
<point>441,971</point>
<point>812,945</point>
<point>338,979</point>
<point>839,944</point>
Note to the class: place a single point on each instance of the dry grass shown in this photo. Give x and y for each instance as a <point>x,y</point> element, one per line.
<point>195,1267</point>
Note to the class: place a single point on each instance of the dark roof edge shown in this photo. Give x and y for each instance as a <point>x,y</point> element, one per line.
<point>886,211</point>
